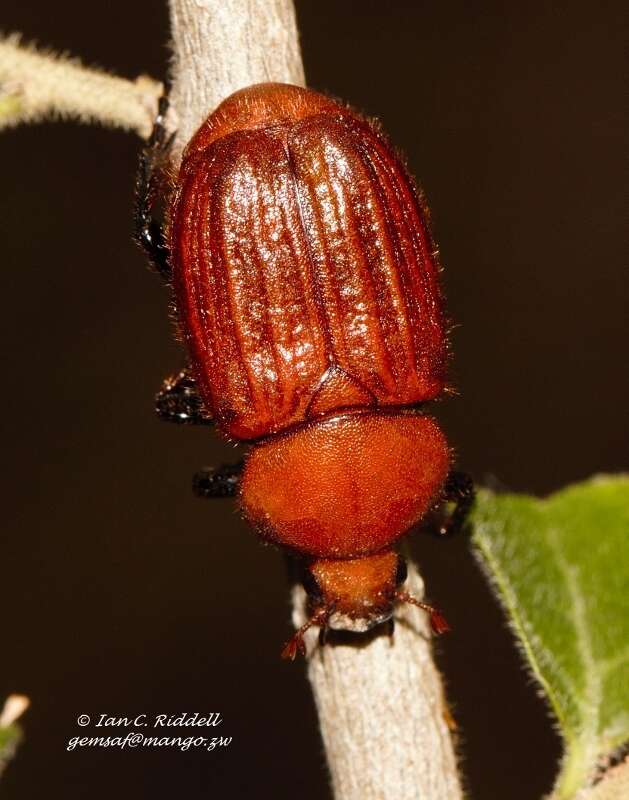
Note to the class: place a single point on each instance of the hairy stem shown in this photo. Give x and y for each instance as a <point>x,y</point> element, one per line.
<point>37,85</point>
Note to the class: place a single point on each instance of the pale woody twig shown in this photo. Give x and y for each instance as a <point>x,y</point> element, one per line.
<point>382,711</point>
<point>220,46</point>
<point>36,85</point>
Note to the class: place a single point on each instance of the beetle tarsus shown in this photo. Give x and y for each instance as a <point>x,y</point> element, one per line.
<point>293,646</point>
<point>459,489</point>
<point>220,482</point>
<point>149,233</point>
<point>296,643</point>
<point>438,622</point>
<point>179,401</point>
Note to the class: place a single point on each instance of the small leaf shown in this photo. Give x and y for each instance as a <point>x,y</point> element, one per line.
<point>560,568</point>
<point>9,740</point>
<point>10,733</point>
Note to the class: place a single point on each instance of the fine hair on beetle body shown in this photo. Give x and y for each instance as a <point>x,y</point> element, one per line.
<point>306,287</point>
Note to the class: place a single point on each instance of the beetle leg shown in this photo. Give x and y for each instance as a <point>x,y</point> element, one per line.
<point>459,489</point>
<point>438,622</point>
<point>149,233</point>
<point>296,643</point>
<point>179,401</point>
<point>220,482</point>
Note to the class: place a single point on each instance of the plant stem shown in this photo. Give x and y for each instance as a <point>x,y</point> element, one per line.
<point>220,46</point>
<point>382,711</point>
<point>36,85</point>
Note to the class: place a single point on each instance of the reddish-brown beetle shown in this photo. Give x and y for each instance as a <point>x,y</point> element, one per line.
<point>306,286</point>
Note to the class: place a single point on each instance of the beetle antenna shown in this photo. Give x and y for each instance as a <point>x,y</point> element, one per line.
<point>296,643</point>
<point>438,622</point>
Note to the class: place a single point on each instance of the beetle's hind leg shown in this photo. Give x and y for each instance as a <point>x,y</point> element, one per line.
<point>179,401</point>
<point>459,489</point>
<point>222,481</point>
<point>149,233</point>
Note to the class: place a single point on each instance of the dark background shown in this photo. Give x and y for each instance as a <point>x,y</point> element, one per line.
<point>120,592</point>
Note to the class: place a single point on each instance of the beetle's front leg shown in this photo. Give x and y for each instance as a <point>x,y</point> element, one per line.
<point>179,401</point>
<point>149,233</point>
<point>220,482</point>
<point>459,489</point>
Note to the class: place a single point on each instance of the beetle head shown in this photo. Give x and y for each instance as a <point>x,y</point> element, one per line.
<point>358,593</point>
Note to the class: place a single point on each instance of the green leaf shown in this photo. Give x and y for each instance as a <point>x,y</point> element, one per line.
<point>10,737</point>
<point>10,733</point>
<point>560,568</point>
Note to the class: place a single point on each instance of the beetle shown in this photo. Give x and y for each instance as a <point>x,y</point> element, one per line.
<point>306,286</point>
